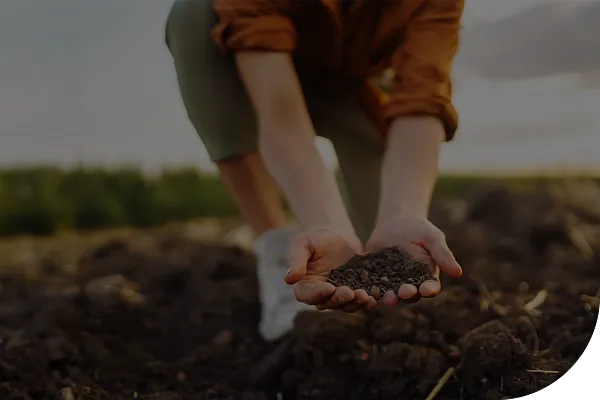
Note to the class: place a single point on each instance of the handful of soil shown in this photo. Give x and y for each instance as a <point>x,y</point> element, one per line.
<point>382,271</point>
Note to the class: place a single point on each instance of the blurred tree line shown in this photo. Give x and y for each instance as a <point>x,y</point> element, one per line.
<point>42,200</point>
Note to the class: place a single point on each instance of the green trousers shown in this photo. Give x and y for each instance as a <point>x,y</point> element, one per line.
<point>220,111</point>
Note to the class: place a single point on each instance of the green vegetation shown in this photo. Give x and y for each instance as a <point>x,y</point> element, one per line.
<point>42,200</point>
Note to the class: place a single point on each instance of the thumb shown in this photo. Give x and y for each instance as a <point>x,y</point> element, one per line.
<point>298,257</point>
<point>444,258</point>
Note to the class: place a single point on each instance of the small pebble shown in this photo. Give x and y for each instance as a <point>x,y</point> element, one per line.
<point>453,352</point>
<point>437,339</point>
<point>223,338</point>
<point>375,292</point>
<point>523,287</point>
<point>364,276</point>
<point>423,337</point>
<point>67,394</point>
<point>413,360</point>
<point>406,314</point>
<point>423,322</point>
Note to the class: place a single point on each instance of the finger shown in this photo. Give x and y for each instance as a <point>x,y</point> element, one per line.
<point>390,299</point>
<point>413,300</point>
<point>340,297</point>
<point>298,257</point>
<point>443,257</point>
<point>430,288</point>
<point>375,292</point>
<point>364,300</point>
<point>436,272</point>
<point>373,246</point>
<point>313,292</point>
<point>406,291</point>
<point>329,305</point>
<point>352,307</point>
<point>361,296</point>
<point>371,304</point>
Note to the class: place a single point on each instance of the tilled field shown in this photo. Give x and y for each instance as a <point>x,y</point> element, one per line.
<point>161,316</point>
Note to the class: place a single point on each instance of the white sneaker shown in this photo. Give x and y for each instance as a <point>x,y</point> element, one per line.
<point>278,304</point>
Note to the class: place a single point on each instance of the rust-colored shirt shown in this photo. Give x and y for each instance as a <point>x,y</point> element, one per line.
<point>415,39</point>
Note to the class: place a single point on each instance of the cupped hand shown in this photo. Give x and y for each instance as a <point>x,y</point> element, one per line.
<point>422,240</point>
<point>312,256</point>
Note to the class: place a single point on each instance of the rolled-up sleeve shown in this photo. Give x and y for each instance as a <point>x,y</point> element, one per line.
<point>423,64</point>
<point>254,25</point>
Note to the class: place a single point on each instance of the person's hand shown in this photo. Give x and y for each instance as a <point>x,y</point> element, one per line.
<point>312,257</point>
<point>423,241</point>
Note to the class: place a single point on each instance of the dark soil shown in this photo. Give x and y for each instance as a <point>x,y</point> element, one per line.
<point>381,271</point>
<point>160,316</point>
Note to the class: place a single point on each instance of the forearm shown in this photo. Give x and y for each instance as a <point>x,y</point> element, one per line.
<point>291,156</point>
<point>287,140</point>
<point>410,167</point>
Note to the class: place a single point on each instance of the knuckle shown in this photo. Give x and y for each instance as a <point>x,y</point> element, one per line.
<point>299,241</point>
<point>436,235</point>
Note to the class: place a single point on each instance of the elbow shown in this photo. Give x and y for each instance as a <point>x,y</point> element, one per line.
<point>273,89</point>
<point>427,106</point>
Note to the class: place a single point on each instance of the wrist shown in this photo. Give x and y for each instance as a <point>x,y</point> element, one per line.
<point>347,234</point>
<point>308,186</point>
<point>342,228</point>
<point>410,168</point>
<point>402,211</point>
<point>404,204</point>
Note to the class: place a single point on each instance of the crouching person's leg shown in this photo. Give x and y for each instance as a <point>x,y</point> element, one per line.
<point>220,111</point>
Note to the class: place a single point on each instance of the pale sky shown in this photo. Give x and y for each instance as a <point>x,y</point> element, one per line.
<point>92,81</point>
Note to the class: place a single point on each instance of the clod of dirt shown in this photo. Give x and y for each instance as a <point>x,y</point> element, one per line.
<point>452,352</point>
<point>494,205</point>
<point>107,249</point>
<point>392,324</point>
<point>67,394</point>
<point>330,329</point>
<point>489,353</point>
<point>223,338</point>
<point>382,271</point>
<point>113,289</point>
<point>333,336</point>
<point>396,367</point>
<point>227,269</point>
<point>323,384</point>
<point>552,229</point>
<point>527,333</point>
<point>53,339</point>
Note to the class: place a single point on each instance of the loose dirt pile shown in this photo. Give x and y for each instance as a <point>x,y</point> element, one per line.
<point>161,316</point>
<point>380,272</point>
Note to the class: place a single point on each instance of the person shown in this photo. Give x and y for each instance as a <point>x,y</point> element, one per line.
<point>261,78</point>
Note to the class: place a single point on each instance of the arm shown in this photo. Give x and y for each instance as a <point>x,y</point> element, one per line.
<point>421,117</point>
<point>410,167</point>
<point>286,140</point>
<point>420,110</point>
<point>262,37</point>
